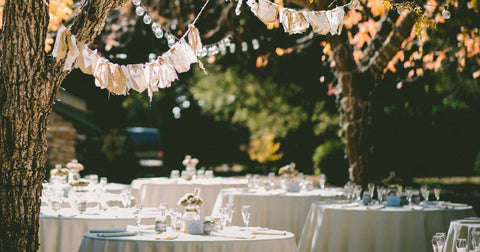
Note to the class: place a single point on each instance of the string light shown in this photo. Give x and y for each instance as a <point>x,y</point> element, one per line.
<point>446,13</point>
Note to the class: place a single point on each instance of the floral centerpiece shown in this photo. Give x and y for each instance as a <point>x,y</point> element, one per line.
<point>58,175</point>
<point>290,172</point>
<point>190,167</point>
<point>191,218</point>
<point>74,167</point>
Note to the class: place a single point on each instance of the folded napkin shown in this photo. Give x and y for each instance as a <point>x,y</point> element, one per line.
<point>353,204</point>
<point>268,232</point>
<point>376,207</point>
<point>109,230</point>
<point>414,207</point>
<point>117,234</point>
<point>142,227</point>
<point>166,236</point>
<point>449,204</point>
<point>234,235</point>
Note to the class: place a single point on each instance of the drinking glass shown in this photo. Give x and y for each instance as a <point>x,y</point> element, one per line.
<point>371,189</point>
<point>436,190</point>
<point>321,181</point>
<point>434,244</point>
<point>137,213</point>
<point>126,198</point>
<point>475,239</point>
<point>461,245</point>
<point>357,192</point>
<point>400,189</point>
<point>283,182</point>
<point>408,192</point>
<point>381,191</point>
<point>246,215</point>
<point>228,214</point>
<point>103,181</point>
<point>209,174</point>
<point>163,210</point>
<point>256,181</point>
<point>425,192</point>
<point>174,174</point>
<point>301,179</point>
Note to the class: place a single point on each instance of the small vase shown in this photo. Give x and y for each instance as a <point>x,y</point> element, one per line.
<point>292,185</point>
<point>192,222</point>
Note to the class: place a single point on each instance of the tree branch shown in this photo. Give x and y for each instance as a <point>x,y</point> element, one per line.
<point>391,46</point>
<point>384,29</point>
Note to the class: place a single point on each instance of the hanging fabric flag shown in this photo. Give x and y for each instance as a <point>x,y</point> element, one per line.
<point>195,43</point>
<point>319,22</point>
<point>86,60</point>
<point>72,53</point>
<point>60,47</point>
<point>336,19</point>
<point>119,82</point>
<point>293,21</point>
<point>267,11</point>
<point>137,76</point>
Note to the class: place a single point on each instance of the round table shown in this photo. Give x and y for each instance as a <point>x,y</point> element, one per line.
<point>188,243</point>
<point>274,209</point>
<point>339,228</point>
<point>64,232</point>
<point>151,192</point>
<point>461,229</point>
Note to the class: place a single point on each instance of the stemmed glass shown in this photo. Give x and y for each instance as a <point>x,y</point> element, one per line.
<point>461,245</point>
<point>246,215</point>
<point>321,181</point>
<point>381,191</point>
<point>228,214</point>
<point>409,192</point>
<point>425,192</point>
<point>137,213</point>
<point>371,189</point>
<point>439,239</point>
<point>437,189</point>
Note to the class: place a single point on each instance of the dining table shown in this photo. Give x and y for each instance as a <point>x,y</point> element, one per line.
<point>354,227</point>
<point>277,208</point>
<point>232,241</point>
<point>150,192</point>
<point>63,230</point>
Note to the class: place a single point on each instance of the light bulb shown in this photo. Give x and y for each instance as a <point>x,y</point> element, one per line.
<point>202,52</point>
<point>355,4</point>
<point>136,2</point>
<point>244,46</point>
<point>446,14</point>
<point>140,11</point>
<point>227,41</point>
<point>155,27</point>
<point>255,44</point>
<point>147,19</point>
<point>232,48</point>
<point>159,33</point>
<point>213,50</point>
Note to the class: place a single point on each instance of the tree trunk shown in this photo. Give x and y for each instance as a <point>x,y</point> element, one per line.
<point>29,81</point>
<point>25,104</point>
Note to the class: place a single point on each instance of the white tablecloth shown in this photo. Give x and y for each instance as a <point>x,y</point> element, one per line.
<point>331,228</point>
<point>188,243</point>
<point>461,229</point>
<point>64,233</point>
<point>274,209</point>
<point>151,192</point>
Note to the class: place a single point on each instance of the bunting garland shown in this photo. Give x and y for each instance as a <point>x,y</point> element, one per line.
<point>120,79</point>
<point>298,21</point>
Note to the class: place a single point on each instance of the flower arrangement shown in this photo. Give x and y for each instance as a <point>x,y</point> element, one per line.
<point>80,182</point>
<point>191,199</point>
<point>189,161</point>
<point>288,170</point>
<point>74,166</point>
<point>59,171</point>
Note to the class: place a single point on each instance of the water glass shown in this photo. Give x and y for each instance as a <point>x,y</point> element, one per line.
<point>301,179</point>
<point>103,181</point>
<point>322,179</point>
<point>308,185</point>
<point>438,242</point>
<point>162,207</point>
<point>256,181</point>
<point>246,215</point>
<point>381,191</point>
<point>371,189</point>
<point>209,174</point>
<point>425,192</point>
<point>137,213</point>
<point>461,245</point>
<point>174,174</point>
<point>408,192</point>
<point>357,192</point>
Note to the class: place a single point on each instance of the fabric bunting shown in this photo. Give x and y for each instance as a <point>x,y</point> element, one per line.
<point>294,21</point>
<point>119,79</point>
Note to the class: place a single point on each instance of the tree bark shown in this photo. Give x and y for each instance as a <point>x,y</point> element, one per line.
<point>29,80</point>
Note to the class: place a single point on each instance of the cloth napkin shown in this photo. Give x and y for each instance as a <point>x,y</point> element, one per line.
<point>166,236</point>
<point>109,230</point>
<point>236,235</point>
<point>375,207</point>
<point>117,234</point>
<point>268,232</point>
<point>354,204</point>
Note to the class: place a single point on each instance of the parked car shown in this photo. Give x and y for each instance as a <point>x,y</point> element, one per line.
<point>146,145</point>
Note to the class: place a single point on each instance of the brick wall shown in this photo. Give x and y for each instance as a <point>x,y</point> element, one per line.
<point>61,136</point>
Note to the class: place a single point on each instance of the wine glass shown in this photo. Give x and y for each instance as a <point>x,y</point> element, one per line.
<point>357,192</point>
<point>137,213</point>
<point>321,180</point>
<point>425,192</point>
<point>409,192</point>
<point>381,191</point>
<point>246,215</point>
<point>461,245</point>
<point>437,189</point>
<point>475,239</point>
<point>434,244</point>
<point>371,189</point>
